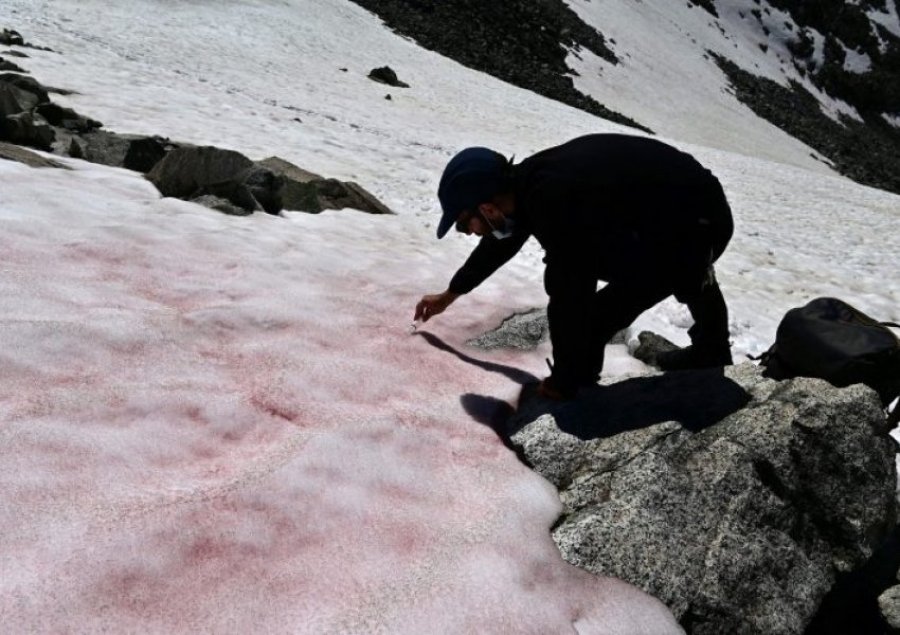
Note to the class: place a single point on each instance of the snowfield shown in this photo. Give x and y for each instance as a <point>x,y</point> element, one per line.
<point>223,424</point>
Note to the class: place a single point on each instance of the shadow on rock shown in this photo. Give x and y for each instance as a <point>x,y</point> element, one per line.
<point>696,399</point>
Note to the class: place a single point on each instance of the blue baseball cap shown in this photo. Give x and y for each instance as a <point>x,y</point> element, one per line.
<point>473,176</point>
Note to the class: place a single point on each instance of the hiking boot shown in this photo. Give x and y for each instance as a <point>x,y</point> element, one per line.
<point>694,357</point>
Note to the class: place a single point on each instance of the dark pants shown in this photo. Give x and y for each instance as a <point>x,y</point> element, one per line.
<point>678,264</point>
<point>618,304</point>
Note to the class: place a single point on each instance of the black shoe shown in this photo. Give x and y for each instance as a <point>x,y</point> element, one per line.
<point>693,357</point>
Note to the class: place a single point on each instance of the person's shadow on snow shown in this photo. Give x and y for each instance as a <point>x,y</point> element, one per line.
<point>696,399</point>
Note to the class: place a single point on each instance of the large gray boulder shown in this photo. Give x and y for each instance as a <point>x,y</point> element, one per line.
<point>133,152</point>
<point>192,172</point>
<point>289,170</point>
<point>28,84</point>
<point>6,65</point>
<point>734,499</point>
<point>184,171</point>
<point>307,192</point>
<point>27,129</point>
<point>14,100</point>
<point>10,152</point>
<point>67,118</point>
<point>526,331</point>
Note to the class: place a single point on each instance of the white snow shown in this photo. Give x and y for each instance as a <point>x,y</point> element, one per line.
<point>856,62</point>
<point>890,19</point>
<point>212,423</point>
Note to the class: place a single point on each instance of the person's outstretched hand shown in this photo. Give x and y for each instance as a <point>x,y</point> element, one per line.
<point>431,305</point>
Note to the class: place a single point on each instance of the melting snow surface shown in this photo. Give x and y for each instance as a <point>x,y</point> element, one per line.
<point>212,423</point>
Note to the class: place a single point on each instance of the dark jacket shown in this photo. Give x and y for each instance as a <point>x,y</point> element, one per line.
<point>606,207</point>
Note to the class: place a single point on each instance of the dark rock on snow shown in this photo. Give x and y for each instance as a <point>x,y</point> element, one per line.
<point>9,37</point>
<point>522,42</point>
<point>650,345</point>
<point>220,205</point>
<point>190,172</point>
<point>27,129</point>
<point>133,152</point>
<point>735,499</point>
<point>26,83</point>
<point>14,100</point>
<point>6,65</point>
<point>12,152</point>
<point>12,53</point>
<point>307,192</point>
<point>524,331</point>
<point>184,171</point>
<point>67,118</point>
<point>386,75</point>
<point>289,170</point>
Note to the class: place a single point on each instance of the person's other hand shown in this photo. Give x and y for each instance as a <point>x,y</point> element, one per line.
<point>431,305</point>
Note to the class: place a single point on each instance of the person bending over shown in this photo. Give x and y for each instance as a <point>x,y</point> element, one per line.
<point>640,215</point>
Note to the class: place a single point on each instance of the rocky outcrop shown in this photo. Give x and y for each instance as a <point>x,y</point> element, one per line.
<point>307,192</point>
<point>8,37</point>
<point>736,500</point>
<point>522,42</point>
<point>386,75</point>
<point>6,65</point>
<point>220,179</point>
<point>525,331</point>
<point>132,152</point>
<point>12,152</point>
<point>863,151</point>
<point>191,172</point>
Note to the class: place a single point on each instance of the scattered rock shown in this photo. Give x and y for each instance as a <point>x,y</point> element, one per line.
<point>650,345</point>
<point>386,75</point>
<point>6,65</point>
<point>27,129</point>
<point>335,194</point>
<point>889,603</point>
<point>288,170</point>
<point>12,152</point>
<point>739,514</point>
<point>191,172</point>
<point>26,83</point>
<point>14,100</point>
<point>12,53</point>
<point>254,189</point>
<point>67,118</point>
<point>184,171</point>
<point>307,192</point>
<point>9,37</point>
<point>221,205</point>
<point>133,152</point>
<point>522,42</point>
<point>525,331</point>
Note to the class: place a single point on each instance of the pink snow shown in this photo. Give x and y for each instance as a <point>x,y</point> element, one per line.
<point>223,424</point>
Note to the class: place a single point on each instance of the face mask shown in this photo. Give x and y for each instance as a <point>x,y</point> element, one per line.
<point>501,233</point>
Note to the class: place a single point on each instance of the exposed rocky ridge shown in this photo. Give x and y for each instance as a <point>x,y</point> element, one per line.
<point>220,179</point>
<point>741,514</point>
<point>820,37</point>
<point>12,152</point>
<point>868,153</point>
<point>523,42</point>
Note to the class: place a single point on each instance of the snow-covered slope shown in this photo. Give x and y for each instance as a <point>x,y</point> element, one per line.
<point>217,423</point>
<point>668,81</point>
